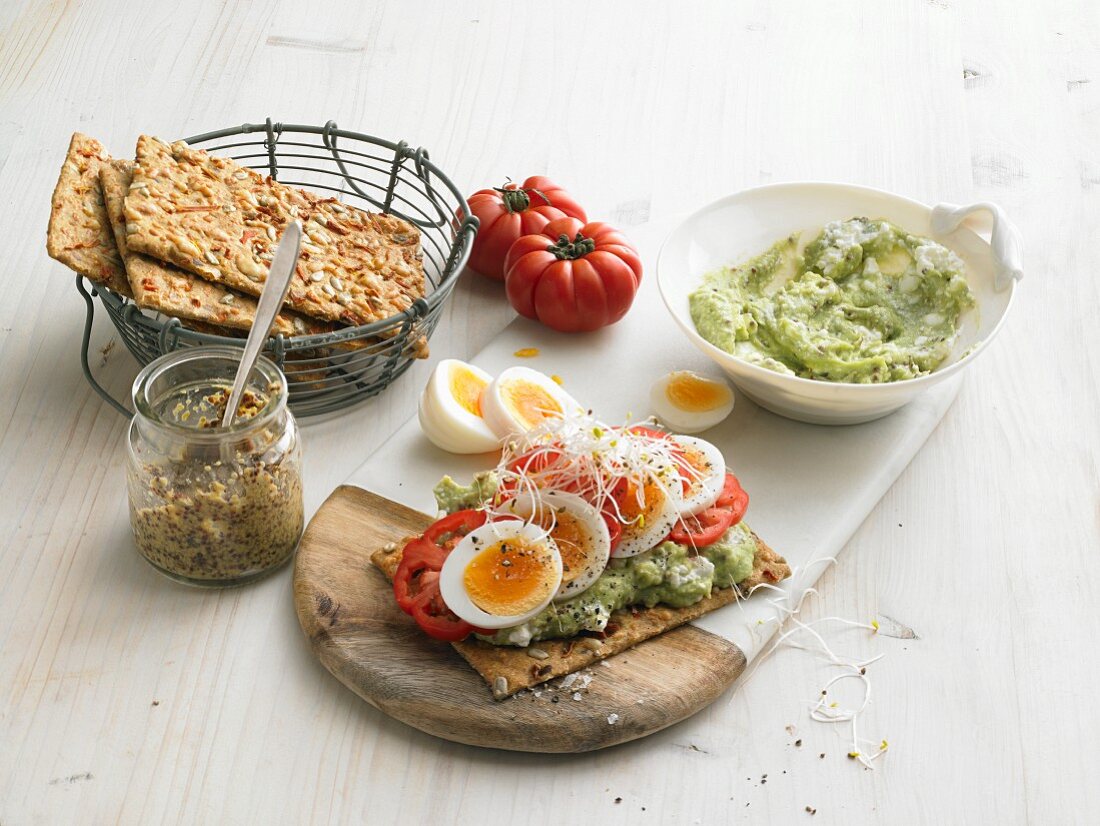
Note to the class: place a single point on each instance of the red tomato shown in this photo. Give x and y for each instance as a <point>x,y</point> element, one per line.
<point>573,276</point>
<point>511,211</point>
<point>416,582</point>
<point>651,432</point>
<point>419,561</point>
<point>456,524</point>
<point>733,498</point>
<point>702,529</point>
<point>534,462</point>
<point>436,620</point>
<point>707,527</point>
<point>614,528</point>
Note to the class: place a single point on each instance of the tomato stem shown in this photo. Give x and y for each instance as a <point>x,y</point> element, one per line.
<point>577,248</point>
<point>517,200</point>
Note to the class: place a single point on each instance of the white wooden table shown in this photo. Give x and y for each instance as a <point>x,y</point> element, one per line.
<point>126,698</point>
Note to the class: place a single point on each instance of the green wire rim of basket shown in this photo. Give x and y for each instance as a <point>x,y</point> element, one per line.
<point>364,171</point>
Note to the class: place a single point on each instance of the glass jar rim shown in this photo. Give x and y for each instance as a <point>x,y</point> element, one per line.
<point>156,369</point>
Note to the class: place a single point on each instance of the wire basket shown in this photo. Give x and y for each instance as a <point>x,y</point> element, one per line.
<point>328,371</point>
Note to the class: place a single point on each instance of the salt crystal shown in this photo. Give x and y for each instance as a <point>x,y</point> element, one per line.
<point>612,719</point>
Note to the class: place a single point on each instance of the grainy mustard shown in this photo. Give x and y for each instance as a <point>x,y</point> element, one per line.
<point>212,505</point>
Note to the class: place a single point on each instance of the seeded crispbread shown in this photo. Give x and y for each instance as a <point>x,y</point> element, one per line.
<point>174,292</point>
<point>79,235</point>
<point>519,670</point>
<point>220,220</point>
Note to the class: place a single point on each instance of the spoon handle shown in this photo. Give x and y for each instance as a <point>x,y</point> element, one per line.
<point>271,300</point>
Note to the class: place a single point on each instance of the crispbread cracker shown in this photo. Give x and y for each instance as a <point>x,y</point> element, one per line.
<point>79,235</point>
<point>633,625</point>
<point>220,220</point>
<point>174,292</point>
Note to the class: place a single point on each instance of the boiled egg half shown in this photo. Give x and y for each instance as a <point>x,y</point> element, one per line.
<point>450,409</point>
<point>501,574</point>
<point>689,403</point>
<point>703,473</point>
<point>520,399</point>
<point>577,529</point>
<point>648,511</point>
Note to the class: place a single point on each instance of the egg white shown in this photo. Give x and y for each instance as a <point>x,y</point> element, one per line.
<point>597,545</point>
<point>500,419</point>
<point>453,589</point>
<point>446,423</point>
<point>687,421</point>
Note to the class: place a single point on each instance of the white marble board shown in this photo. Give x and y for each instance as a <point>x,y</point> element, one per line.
<point>810,486</point>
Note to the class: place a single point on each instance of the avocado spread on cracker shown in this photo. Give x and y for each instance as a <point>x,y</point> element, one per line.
<point>670,574</point>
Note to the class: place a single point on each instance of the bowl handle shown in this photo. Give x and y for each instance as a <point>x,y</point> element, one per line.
<point>1008,258</point>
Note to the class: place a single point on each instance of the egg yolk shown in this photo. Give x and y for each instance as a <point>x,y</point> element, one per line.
<point>529,402</point>
<point>466,389</point>
<point>698,461</point>
<point>573,541</point>
<point>636,517</point>
<point>689,392</point>
<point>510,577</point>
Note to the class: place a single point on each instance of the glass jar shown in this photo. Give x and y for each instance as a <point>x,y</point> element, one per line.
<point>211,505</point>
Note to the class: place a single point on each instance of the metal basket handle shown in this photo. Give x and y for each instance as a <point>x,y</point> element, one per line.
<point>329,137</point>
<point>84,343</point>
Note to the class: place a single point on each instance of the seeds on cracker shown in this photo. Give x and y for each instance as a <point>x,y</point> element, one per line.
<point>377,257</point>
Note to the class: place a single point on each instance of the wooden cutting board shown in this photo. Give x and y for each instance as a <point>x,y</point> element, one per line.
<point>347,610</point>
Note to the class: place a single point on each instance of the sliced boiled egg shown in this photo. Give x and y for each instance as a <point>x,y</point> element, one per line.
<point>450,409</point>
<point>649,514</point>
<point>501,574</point>
<point>520,399</point>
<point>703,473</point>
<point>689,403</point>
<point>577,529</point>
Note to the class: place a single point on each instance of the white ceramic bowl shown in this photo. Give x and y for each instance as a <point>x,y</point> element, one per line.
<point>739,226</point>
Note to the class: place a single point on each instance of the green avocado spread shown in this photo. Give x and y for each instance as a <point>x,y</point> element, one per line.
<point>865,302</point>
<point>450,496</point>
<point>667,574</point>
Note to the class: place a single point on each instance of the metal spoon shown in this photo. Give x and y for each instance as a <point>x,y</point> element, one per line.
<point>271,301</point>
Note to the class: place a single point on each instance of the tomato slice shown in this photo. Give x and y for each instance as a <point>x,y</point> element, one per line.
<point>419,561</point>
<point>618,495</point>
<point>733,498</point>
<point>416,582</point>
<point>435,619</point>
<point>458,524</point>
<point>651,432</point>
<point>702,529</point>
<point>447,628</point>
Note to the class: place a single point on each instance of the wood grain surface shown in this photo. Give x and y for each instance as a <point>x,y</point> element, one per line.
<point>348,613</point>
<point>127,699</point>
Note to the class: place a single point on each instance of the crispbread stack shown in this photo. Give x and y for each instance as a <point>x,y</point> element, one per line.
<point>169,290</point>
<point>191,235</point>
<point>221,221</point>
